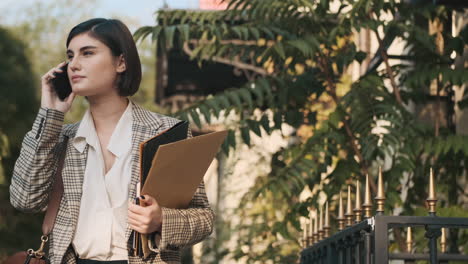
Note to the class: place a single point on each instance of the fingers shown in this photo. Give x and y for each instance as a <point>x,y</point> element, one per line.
<point>139,223</point>
<point>136,209</point>
<point>69,99</point>
<point>143,224</point>
<point>145,218</point>
<point>138,220</point>
<point>148,200</point>
<point>50,74</point>
<point>139,228</point>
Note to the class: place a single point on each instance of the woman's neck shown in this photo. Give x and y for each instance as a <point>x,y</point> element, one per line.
<point>106,111</point>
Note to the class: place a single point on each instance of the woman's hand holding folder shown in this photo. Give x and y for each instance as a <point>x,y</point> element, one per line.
<point>147,217</point>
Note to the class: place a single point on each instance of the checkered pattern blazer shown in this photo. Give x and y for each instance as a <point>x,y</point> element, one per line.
<point>37,164</point>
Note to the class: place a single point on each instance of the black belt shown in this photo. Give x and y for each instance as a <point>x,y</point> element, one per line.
<point>90,261</point>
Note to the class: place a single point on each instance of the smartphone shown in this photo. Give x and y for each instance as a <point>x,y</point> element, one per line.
<point>61,83</point>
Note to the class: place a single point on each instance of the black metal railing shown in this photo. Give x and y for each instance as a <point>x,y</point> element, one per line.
<point>368,241</point>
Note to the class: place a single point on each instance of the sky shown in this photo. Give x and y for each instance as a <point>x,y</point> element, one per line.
<point>140,10</point>
<point>143,11</point>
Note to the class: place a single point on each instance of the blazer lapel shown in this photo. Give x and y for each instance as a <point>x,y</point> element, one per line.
<point>72,177</point>
<point>73,180</point>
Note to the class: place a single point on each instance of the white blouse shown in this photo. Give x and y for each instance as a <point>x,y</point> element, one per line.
<point>100,232</point>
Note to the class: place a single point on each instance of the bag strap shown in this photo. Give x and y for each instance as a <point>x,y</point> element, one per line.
<point>55,195</point>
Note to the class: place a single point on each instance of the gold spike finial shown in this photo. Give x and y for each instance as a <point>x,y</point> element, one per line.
<point>380,198</point>
<point>326,227</point>
<point>432,199</point>
<point>321,231</point>
<point>316,234</point>
<point>357,206</point>
<point>367,205</point>
<point>305,232</point>
<point>340,218</point>
<point>310,237</point>
<point>443,241</point>
<point>349,209</point>
<point>409,240</point>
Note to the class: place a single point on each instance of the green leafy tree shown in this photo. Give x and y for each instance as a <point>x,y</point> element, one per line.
<point>298,52</point>
<point>18,104</point>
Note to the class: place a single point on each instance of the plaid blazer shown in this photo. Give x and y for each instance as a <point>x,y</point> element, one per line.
<point>37,164</point>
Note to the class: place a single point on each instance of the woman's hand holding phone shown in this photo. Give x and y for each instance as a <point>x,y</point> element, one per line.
<point>49,97</point>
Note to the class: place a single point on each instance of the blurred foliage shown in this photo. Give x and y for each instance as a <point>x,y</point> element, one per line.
<point>16,81</point>
<point>299,52</point>
<point>18,111</point>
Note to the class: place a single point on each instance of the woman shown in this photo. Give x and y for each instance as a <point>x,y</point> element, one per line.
<point>101,167</point>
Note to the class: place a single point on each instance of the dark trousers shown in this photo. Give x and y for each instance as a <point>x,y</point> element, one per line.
<point>90,261</point>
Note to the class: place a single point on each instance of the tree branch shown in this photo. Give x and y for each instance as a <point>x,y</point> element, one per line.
<point>349,132</point>
<point>237,42</point>
<point>235,63</point>
<point>383,53</point>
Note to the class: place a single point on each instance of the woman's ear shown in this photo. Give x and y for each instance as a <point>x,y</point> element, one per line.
<point>121,65</point>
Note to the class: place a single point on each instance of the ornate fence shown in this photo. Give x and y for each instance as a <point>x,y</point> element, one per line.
<point>363,238</point>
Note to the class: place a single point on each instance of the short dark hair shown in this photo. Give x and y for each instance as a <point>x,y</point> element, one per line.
<point>115,35</point>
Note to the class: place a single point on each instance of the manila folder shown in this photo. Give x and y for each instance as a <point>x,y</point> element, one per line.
<point>178,169</point>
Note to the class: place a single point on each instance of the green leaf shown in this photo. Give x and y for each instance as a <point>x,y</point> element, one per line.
<point>183,116</point>
<point>254,126</point>
<point>428,146</point>
<point>457,143</point>
<point>264,85</point>
<point>465,147</point>
<point>224,102</point>
<point>142,33</point>
<point>196,51</point>
<point>206,113</point>
<point>324,4</point>
<point>245,134</point>
<point>237,31</point>
<point>245,94</point>
<point>294,118</point>
<point>278,119</point>
<point>213,103</point>
<point>245,33</point>
<point>169,34</point>
<point>439,146</point>
<point>268,32</point>
<point>184,32</point>
<point>360,56</point>
<point>225,147</point>
<point>302,46</point>
<point>280,49</point>
<point>235,99</point>
<point>313,42</point>
<point>231,138</point>
<point>335,118</point>
<point>255,32</point>
<point>258,95</point>
<point>265,122</point>
<point>195,118</point>
<point>221,52</point>
<point>155,35</point>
